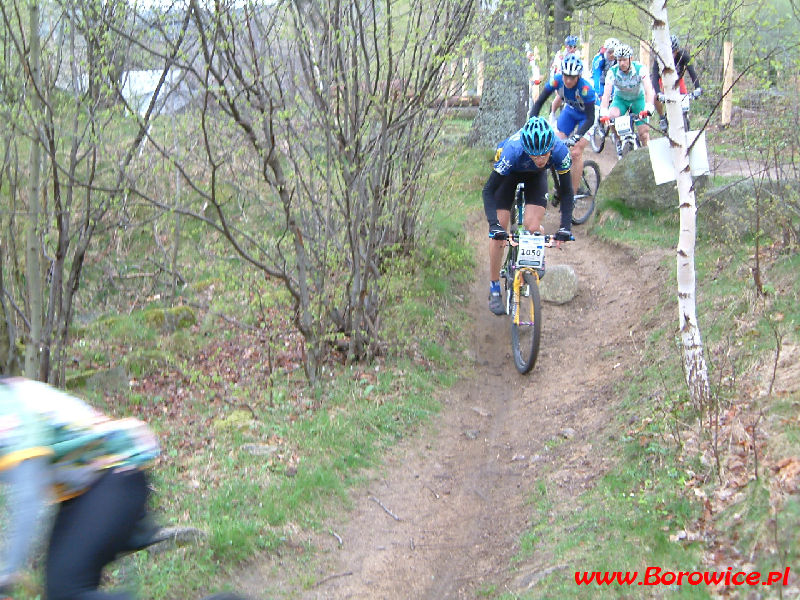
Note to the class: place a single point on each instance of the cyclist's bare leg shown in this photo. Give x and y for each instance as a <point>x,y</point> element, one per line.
<point>644,133</point>
<point>496,246</point>
<point>576,153</point>
<point>534,215</point>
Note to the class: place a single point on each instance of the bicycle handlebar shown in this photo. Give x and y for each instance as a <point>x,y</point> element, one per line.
<point>504,236</point>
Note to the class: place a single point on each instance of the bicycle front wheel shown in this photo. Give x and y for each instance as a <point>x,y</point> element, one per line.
<point>526,330</point>
<point>627,147</point>
<point>598,138</point>
<point>585,195</point>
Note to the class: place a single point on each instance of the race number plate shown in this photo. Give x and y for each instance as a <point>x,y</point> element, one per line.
<point>531,250</point>
<point>622,125</point>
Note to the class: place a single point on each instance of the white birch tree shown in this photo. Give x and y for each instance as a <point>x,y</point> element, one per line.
<point>694,364</point>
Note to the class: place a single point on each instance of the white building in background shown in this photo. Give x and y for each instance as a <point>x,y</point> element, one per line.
<point>138,88</point>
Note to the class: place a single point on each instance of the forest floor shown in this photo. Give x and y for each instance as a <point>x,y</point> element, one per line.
<point>444,515</point>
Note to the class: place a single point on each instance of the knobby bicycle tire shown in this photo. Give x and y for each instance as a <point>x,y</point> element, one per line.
<point>598,139</point>
<point>586,192</point>
<point>525,336</point>
<point>627,146</point>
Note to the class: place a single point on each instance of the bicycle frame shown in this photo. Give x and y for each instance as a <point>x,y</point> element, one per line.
<point>512,264</point>
<point>522,282</point>
<point>517,287</point>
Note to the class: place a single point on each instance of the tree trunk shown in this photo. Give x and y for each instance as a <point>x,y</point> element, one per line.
<point>562,11</point>
<point>32,256</point>
<point>504,102</point>
<point>694,363</point>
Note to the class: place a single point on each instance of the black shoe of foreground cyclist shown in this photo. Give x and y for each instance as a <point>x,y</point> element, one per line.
<point>496,304</point>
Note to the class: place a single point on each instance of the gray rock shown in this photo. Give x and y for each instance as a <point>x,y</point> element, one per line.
<point>559,284</point>
<point>728,212</point>
<point>260,449</point>
<point>567,433</point>
<point>631,182</point>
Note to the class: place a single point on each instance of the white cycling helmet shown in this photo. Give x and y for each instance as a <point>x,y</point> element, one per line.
<point>623,51</point>
<point>611,44</point>
<point>571,65</point>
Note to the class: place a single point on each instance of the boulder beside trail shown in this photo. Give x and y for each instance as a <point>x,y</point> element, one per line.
<point>631,182</point>
<point>559,284</point>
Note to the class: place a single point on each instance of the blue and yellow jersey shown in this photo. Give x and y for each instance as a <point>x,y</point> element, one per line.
<point>37,420</point>
<point>510,157</point>
<point>576,97</point>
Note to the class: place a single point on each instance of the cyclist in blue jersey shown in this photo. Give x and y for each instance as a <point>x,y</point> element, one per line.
<point>525,157</point>
<point>578,114</point>
<point>601,63</point>
<point>54,446</point>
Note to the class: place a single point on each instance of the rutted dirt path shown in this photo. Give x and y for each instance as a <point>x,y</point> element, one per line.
<point>443,518</point>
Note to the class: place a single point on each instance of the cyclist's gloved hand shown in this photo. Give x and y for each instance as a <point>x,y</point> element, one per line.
<point>660,96</point>
<point>572,140</point>
<point>605,119</point>
<point>496,231</point>
<point>563,235</point>
<point>645,114</point>
<point>697,92</point>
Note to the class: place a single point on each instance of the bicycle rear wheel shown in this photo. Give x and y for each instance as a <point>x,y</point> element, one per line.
<point>585,194</point>
<point>525,334</point>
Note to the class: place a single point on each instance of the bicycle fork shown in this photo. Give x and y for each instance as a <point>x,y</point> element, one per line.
<point>519,283</point>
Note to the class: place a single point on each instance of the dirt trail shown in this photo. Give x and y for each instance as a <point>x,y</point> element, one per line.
<point>459,490</point>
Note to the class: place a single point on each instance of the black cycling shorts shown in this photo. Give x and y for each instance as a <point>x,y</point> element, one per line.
<point>535,188</point>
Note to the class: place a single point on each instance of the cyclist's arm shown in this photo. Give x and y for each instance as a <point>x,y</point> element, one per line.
<point>693,74</point>
<point>649,92</point>
<point>606,99</point>
<point>597,71</point>
<point>655,75</point>
<point>547,91</point>
<point>27,493</point>
<point>609,88</point>
<point>489,190</point>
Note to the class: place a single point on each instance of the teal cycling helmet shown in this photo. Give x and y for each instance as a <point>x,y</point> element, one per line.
<point>537,136</point>
<point>571,65</point>
<point>571,40</point>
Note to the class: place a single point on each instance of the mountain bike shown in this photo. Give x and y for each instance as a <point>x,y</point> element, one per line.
<point>521,272</point>
<point>623,132</point>
<point>584,197</point>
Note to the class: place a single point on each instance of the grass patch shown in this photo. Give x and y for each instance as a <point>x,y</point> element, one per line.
<point>636,515</point>
<point>252,455</point>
